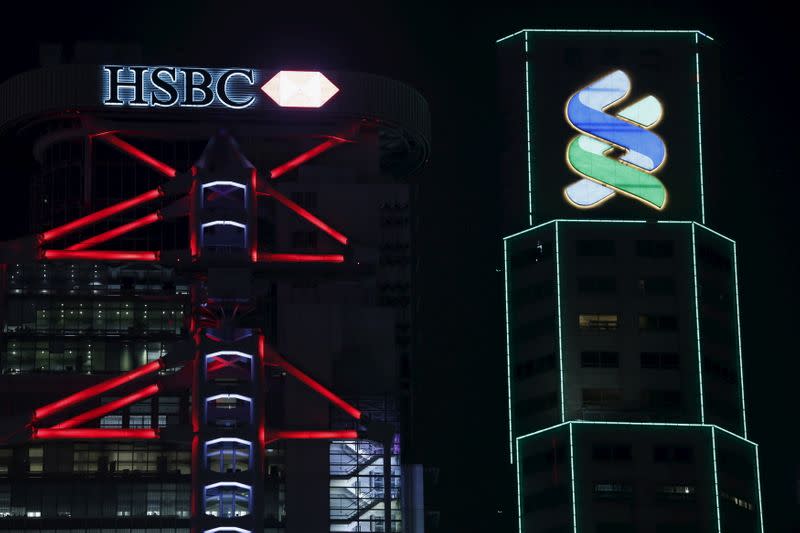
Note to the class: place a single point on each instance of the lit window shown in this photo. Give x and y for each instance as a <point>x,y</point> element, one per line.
<point>598,322</point>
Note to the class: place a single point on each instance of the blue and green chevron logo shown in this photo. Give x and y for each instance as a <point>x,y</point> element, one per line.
<point>603,137</point>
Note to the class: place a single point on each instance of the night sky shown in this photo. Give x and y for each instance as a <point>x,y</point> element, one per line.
<point>447,52</point>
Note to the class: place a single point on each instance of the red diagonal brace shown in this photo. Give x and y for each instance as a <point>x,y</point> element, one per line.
<point>306,156</point>
<point>116,232</point>
<point>271,191</point>
<point>97,412</point>
<point>275,359</point>
<point>145,158</point>
<point>347,434</point>
<point>100,388</point>
<point>97,216</point>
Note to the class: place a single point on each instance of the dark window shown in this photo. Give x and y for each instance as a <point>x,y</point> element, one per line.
<point>531,293</point>
<point>597,284</point>
<point>534,328</point>
<point>600,359</point>
<point>612,452</point>
<point>658,285</point>
<point>595,248</point>
<point>535,366</point>
<point>658,322</point>
<point>601,397</point>
<point>537,404</point>
<point>531,255</point>
<point>307,199</point>
<point>654,249</point>
<point>545,460</point>
<point>304,239</point>
<point>547,499</point>
<point>673,454</point>
<point>675,493</point>
<point>714,259</point>
<point>660,360</point>
<point>662,398</point>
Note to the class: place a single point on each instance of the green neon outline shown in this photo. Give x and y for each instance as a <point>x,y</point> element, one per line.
<point>758,482</point>
<point>508,354</point>
<point>697,327</point>
<point>739,337</point>
<point>560,340</point>
<point>711,427</point>
<point>716,478</point>
<point>699,129</point>
<point>519,490</point>
<point>572,480</point>
<point>573,30</point>
<point>528,132</point>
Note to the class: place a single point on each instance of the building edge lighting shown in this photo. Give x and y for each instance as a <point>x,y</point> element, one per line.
<point>595,30</point>
<point>739,337</point>
<point>558,325</point>
<point>572,479</point>
<point>528,132</point>
<point>697,326</point>
<point>508,355</point>
<point>699,129</point>
<point>716,477</point>
<point>758,485</point>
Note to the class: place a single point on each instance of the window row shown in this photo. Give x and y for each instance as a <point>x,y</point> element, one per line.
<point>80,356</point>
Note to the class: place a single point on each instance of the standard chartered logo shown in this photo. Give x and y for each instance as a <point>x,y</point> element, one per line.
<point>614,153</point>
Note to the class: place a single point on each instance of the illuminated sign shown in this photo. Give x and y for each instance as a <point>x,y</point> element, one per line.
<point>231,88</point>
<point>607,125</point>
<point>588,154</point>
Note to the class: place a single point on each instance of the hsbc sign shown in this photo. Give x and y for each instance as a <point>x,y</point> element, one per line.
<point>232,88</point>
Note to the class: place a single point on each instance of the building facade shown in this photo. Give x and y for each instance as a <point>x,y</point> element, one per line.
<point>239,241</point>
<point>626,396</point>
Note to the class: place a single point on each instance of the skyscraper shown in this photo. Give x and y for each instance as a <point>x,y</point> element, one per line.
<point>210,326</point>
<point>625,388</point>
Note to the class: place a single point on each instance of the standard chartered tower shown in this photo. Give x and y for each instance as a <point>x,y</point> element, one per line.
<point>625,388</point>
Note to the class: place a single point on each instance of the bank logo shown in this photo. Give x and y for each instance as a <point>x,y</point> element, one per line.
<point>614,153</point>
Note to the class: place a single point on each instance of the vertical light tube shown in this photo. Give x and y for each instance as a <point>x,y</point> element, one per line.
<point>697,326</point>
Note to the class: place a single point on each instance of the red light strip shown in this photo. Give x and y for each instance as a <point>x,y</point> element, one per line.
<point>300,258</point>
<point>305,156</point>
<point>116,232</point>
<point>100,388</point>
<point>273,435</point>
<point>131,150</point>
<point>317,387</point>
<point>100,255</point>
<point>60,231</point>
<point>271,191</point>
<point>94,433</point>
<point>97,412</point>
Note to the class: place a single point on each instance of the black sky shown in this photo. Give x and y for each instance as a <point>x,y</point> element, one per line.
<point>447,52</point>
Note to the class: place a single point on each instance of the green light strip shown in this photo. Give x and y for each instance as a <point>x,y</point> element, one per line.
<point>517,234</point>
<point>641,424</point>
<point>716,479</point>
<point>558,311</point>
<point>758,481</point>
<point>553,30</point>
<point>739,337</point>
<point>572,480</point>
<point>697,327</point>
<point>508,354</point>
<point>699,128</point>
<point>718,234</point>
<point>519,493</point>
<point>528,133</point>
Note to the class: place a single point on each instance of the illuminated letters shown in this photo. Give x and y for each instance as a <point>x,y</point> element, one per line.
<point>233,88</point>
<point>587,154</point>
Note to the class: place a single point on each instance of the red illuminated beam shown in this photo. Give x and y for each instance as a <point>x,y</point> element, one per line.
<point>99,255</point>
<point>273,435</point>
<point>111,210</point>
<point>104,409</point>
<point>100,388</point>
<point>300,258</point>
<point>316,386</point>
<point>132,151</point>
<point>94,433</point>
<point>305,157</point>
<point>116,232</point>
<point>271,191</point>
